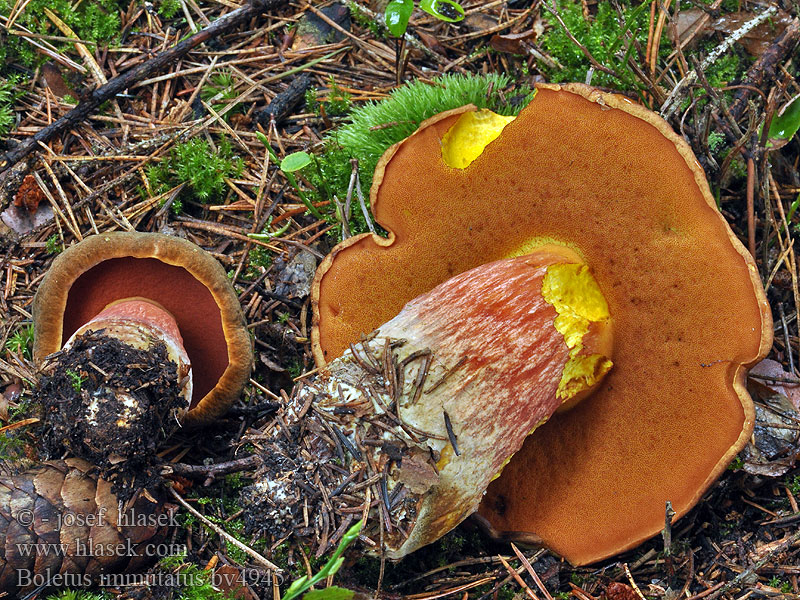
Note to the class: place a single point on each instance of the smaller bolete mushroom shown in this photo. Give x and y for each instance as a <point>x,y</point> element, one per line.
<point>148,285</point>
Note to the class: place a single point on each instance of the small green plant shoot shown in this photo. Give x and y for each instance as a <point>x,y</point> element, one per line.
<point>786,121</point>
<point>291,163</point>
<point>398,12</point>
<point>22,342</point>
<point>299,586</point>
<point>295,161</point>
<point>75,380</point>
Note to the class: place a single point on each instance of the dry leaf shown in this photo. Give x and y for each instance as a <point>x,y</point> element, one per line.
<point>772,369</point>
<point>418,474</point>
<point>620,591</point>
<point>775,442</point>
<point>757,40</point>
<point>231,581</point>
<point>513,43</point>
<point>29,194</point>
<point>431,43</point>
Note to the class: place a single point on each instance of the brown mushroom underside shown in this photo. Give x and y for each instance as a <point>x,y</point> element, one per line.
<point>186,281</point>
<point>613,181</point>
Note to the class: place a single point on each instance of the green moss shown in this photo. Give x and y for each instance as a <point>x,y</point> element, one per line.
<point>257,259</point>
<point>219,91</point>
<point>377,125</point>
<point>295,368</point>
<point>93,21</point>
<point>79,595</point>
<point>362,19</point>
<point>9,93</point>
<point>196,582</point>
<point>605,38</point>
<point>716,141</point>
<point>783,586</point>
<point>217,508</point>
<point>196,164</point>
<point>21,342</point>
<point>53,244</point>
<point>337,101</point>
<point>169,8</point>
<point>726,68</point>
<point>12,443</point>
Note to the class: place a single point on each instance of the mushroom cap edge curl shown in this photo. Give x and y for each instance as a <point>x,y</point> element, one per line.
<point>177,275</point>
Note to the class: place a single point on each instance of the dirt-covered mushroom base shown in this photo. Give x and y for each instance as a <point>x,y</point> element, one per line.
<point>111,404</point>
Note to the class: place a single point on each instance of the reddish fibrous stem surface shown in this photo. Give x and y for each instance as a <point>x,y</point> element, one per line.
<point>457,380</point>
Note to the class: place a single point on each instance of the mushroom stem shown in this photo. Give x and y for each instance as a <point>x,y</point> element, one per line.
<point>429,409</point>
<point>141,323</point>
<point>118,387</point>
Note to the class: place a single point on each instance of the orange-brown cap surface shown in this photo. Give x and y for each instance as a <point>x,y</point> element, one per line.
<point>612,181</point>
<point>173,272</point>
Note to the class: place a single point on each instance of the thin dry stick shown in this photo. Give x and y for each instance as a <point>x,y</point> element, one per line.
<point>64,199</point>
<point>745,575</point>
<point>751,218</point>
<point>662,18</point>
<point>220,531</point>
<point>672,102</point>
<point>122,82</point>
<point>792,256</point>
<point>456,590</point>
<point>518,579</point>
<point>531,572</point>
<point>633,582</point>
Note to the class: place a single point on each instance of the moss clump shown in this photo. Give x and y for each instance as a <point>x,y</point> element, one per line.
<point>336,101</point>
<point>193,582</point>
<point>218,509</point>
<point>258,259</point>
<point>169,8</point>
<point>9,92</point>
<point>604,37</point>
<point>219,91</point>
<point>199,166</point>
<point>377,125</point>
<point>79,595</point>
<point>22,342</point>
<point>93,21</point>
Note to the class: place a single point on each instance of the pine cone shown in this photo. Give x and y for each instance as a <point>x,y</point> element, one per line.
<point>60,525</point>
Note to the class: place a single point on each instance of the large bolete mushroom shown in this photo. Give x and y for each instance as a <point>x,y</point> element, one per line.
<point>608,179</point>
<point>155,281</point>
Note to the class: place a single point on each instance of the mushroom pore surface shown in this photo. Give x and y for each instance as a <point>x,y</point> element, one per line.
<point>174,288</point>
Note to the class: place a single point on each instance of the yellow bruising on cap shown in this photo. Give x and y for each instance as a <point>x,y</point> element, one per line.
<point>575,295</point>
<point>473,131</point>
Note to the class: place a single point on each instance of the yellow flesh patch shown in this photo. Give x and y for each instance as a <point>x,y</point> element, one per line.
<point>574,293</point>
<point>473,131</point>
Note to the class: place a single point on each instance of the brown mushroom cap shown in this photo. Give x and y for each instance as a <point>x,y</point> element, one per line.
<point>173,272</point>
<point>611,180</point>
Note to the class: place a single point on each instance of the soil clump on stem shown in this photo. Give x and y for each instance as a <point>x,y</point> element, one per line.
<point>111,404</point>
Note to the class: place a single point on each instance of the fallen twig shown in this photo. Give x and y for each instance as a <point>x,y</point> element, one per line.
<point>766,67</point>
<point>674,99</point>
<point>228,537</point>
<point>129,78</point>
